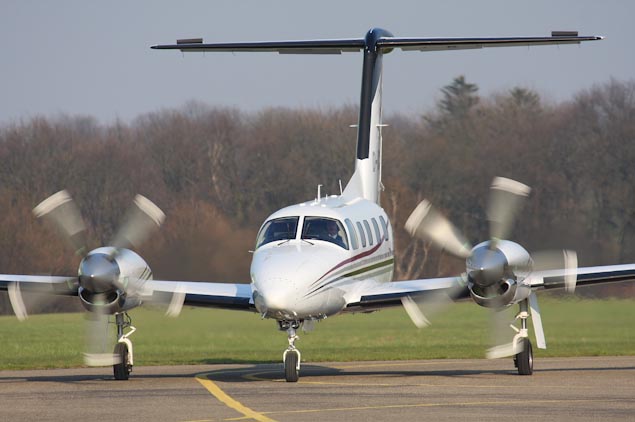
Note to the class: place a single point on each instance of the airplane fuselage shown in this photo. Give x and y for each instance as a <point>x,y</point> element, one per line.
<point>312,258</point>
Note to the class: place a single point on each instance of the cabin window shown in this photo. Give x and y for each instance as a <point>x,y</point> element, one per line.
<point>327,229</point>
<point>376,227</point>
<point>351,231</point>
<point>368,233</point>
<point>361,234</point>
<point>384,225</point>
<point>284,228</point>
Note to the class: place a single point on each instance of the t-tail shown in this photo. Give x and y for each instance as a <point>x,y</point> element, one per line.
<point>366,180</point>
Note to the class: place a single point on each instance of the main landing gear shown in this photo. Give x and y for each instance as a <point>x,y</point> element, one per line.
<point>291,356</point>
<point>123,348</point>
<point>524,359</point>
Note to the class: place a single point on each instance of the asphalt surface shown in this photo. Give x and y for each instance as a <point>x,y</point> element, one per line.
<point>598,388</point>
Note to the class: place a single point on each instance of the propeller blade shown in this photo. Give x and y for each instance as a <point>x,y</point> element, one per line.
<point>500,329</point>
<point>99,347</point>
<point>561,262</point>
<point>421,309</point>
<point>172,299</point>
<point>17,302</point>
<point>427,223</point>
<point>506,197</point>
<point>505,350</point>
<point>60,210</point>
<point>29,296</point>
<point>176,303</point>
<point>142,219</point>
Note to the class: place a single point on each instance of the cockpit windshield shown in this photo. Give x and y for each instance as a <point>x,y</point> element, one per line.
<point>327,229</point>
<point>277,229</point>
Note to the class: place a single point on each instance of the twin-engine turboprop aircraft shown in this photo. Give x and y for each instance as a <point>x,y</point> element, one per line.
<point>333,254</point>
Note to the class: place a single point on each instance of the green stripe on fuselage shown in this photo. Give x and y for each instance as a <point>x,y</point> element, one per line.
<point>370,268</point>
<point>357,272</point>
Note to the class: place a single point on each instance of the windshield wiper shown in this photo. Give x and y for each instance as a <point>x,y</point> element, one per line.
<point>310,243</point>
<point>283,242</point>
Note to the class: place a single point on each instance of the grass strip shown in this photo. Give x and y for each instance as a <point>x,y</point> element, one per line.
<point>573,327</point>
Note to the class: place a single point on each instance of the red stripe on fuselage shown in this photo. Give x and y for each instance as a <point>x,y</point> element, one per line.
<point>354,258</point>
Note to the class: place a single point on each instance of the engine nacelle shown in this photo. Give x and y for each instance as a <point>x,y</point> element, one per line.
<point>496,274</point>
<point>111,280</point>
<point>107,303</point>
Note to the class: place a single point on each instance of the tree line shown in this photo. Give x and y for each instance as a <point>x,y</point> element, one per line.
<point>217,172</point>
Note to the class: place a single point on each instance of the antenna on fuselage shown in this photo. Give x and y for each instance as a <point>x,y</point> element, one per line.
<point>319,194</point>
<point>341,190</point>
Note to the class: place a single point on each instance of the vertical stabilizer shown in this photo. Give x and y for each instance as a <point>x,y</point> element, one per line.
<point>366,180</point>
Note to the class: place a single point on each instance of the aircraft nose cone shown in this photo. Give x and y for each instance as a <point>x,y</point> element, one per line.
<point>276,298</point>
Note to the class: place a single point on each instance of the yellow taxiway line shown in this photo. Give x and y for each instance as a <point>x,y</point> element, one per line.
<point>224,398</point>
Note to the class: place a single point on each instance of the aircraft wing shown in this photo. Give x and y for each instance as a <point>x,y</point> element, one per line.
<point>236,296</point>
<point>377,296</point>
<point>384,43</point>
<point>203,294</point>
<point>57,285</point>
<point>585,276</point>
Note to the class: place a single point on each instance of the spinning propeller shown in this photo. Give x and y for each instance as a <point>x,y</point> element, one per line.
<point>111,280</point>
<point>498,271</point>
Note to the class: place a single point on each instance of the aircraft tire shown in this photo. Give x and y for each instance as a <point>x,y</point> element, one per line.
<point>525,359</point>
<point>291,373</point>
<point>121,370</point>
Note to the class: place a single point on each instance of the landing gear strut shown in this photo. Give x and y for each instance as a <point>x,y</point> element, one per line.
<point>123,348</point>
<point>291,356</point>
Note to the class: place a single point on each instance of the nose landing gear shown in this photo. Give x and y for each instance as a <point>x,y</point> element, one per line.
<point>291,356</point>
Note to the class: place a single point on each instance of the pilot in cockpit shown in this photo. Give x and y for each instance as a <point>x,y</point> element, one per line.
<point>332,232</point>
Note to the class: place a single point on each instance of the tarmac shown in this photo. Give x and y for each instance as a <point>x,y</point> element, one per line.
<point>581,389</point>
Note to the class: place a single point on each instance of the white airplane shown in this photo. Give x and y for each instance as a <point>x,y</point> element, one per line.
<point>333,254</point>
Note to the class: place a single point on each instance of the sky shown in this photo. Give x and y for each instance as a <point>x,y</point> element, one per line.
<point>93,57</point>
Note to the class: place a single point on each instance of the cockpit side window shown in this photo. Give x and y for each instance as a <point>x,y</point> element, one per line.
<point>327,229</point>
<point>376,227</point>
<point>351,230</point>
<point>369,234</point>
<point>361,234</point>
<point>284,228</point>
<point>384,225</point>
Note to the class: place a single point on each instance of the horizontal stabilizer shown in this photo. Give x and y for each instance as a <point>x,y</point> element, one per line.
<point>382,43</point>
<point>282,47</point>
<point>439,44</point>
